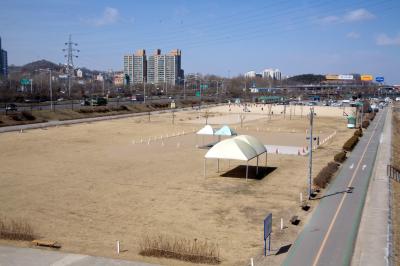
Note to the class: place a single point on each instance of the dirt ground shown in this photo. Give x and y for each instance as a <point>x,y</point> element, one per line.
<point>396,185</point>
<point>88,185</point>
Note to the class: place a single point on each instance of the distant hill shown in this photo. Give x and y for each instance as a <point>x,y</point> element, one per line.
<point>45,64</point>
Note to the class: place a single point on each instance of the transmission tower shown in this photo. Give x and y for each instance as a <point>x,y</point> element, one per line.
<point>69,54</point>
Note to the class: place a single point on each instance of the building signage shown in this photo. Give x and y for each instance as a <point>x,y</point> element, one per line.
<point>366,77</point>
<point>332,77</point>
<point>346,77</point>
<point>380,79</point>
<point>267,233</point>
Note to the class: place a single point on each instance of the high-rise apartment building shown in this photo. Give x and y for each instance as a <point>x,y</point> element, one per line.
<point>155,69</point>
<point>128,67</point>
<point>135,67</point>
<point>139,67</point>
<point>3,62</point>
<point>165,68</point>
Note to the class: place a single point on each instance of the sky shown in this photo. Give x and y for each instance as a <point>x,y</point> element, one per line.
<point>219,37</point>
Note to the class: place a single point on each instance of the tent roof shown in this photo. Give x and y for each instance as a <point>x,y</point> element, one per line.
<point>256,144</point>
<point>206,130</point>
<point>225,131</point>
<point>232,149</point>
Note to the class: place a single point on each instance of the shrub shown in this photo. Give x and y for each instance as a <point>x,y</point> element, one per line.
<point>119,108</point>
<point>325,175</point>
<point>187,250</point>
<point>16,117</point>
<point>365,124</point>
<point>350,143</point>
<point>16,229</point>
<point>28,115</point>
<point>358,132</point>
<point>340,157</point>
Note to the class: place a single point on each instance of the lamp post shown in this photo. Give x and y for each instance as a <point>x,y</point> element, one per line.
<point>310,152</point>
<point>50,88</point>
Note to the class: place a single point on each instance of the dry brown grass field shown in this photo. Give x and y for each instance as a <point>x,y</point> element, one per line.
<point>88,185</point>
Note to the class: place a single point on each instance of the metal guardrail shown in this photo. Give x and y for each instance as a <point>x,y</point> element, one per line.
<point>393,172</point>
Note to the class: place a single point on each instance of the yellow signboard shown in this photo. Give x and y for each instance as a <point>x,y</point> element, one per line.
<point>366,77</point>
<point>332,77</point>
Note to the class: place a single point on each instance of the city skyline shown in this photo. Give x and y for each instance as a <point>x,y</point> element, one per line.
<point>215,37</point>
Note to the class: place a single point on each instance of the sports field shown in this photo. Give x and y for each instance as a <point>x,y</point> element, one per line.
<point>88,185</point>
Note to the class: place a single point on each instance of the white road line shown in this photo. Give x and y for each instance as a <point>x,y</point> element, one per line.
<point>363,167</point>
<point>351,166</point>
<point>68,260</point>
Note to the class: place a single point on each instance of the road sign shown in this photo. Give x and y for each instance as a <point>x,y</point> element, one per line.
<point>203,86</point>
<point>25,81</point>
<point>198,94</point>
<point>267,233</point>
<point>380,79</point>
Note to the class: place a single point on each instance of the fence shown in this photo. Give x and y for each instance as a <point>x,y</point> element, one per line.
<point>393,172</point>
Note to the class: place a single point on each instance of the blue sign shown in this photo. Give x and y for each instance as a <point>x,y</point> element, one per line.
<point>267,233</point>
<point>379,79</point>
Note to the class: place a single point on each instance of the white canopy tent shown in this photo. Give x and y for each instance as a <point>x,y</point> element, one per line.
<point>207,130</point>
<point>242,148</point>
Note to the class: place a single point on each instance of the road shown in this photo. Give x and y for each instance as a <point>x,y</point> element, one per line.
<point>76,104</point>
<point>13,256</point>
<point>329,236</point>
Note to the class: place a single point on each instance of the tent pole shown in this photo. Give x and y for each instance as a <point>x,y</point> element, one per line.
<point>247,170</point>
<point>257,167</point>
<point>266,157</point>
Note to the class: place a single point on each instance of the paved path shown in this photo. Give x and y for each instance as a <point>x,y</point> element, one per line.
<point>329,237</point>
<point>13,256</point>
<point>372,240</point>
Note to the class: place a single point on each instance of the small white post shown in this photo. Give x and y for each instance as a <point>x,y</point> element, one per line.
<point>301,197</point>
<point>281,224</point>
<point>117,247</point>
<point>251,262</point>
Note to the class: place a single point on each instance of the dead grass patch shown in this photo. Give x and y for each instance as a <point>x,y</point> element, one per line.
<point>16,229</point>
<point>196,251</point>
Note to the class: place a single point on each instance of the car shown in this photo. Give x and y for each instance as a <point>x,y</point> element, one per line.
<point>11,107</point>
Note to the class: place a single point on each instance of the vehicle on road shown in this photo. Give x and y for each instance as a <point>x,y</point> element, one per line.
<point>11,107</point>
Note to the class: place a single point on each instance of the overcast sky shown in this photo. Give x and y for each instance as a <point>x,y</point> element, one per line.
<point>217,37</point>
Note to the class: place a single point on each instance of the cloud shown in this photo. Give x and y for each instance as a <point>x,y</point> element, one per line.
<point>356,15</point>
<point>110,16</point>
<point>384,40</point>
<point>353,35</point>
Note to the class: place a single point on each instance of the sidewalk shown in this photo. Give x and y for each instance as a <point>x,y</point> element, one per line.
<point>371,247</point>
<point>13,256</point>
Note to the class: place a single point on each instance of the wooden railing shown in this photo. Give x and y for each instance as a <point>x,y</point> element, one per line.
<point>393,172</point>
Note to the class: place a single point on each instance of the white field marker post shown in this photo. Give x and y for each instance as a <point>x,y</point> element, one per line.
<point>251,262</point>
<point>281,224</point>
<point>117,247</point>
<point>301,197</point>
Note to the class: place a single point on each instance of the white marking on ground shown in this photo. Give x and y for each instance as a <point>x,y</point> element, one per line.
<point>69,259</point>
<point>290,150</point>
<point>381,138</point>
<point>363,167</point>
<point>351,166</point>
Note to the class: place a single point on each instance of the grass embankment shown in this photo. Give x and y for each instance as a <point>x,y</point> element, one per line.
<point>38,116</point>
<point>396,185</point>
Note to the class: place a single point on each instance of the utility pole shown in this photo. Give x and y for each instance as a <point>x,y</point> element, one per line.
<point>144,92</point>
<point>310,152</point>
<point>184,89</point>
<point>69,50</point>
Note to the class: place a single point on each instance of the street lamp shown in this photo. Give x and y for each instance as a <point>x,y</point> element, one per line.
<point>51,90</point>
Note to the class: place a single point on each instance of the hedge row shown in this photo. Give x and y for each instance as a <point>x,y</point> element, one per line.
<point>325,175</point>
<point>350,143</point>
<point>358,132</point>
<point>340,157</point>
<point>103,109</point>
<point>23,116</point>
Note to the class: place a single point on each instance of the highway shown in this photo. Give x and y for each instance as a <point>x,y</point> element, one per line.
<point>329,236</point>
